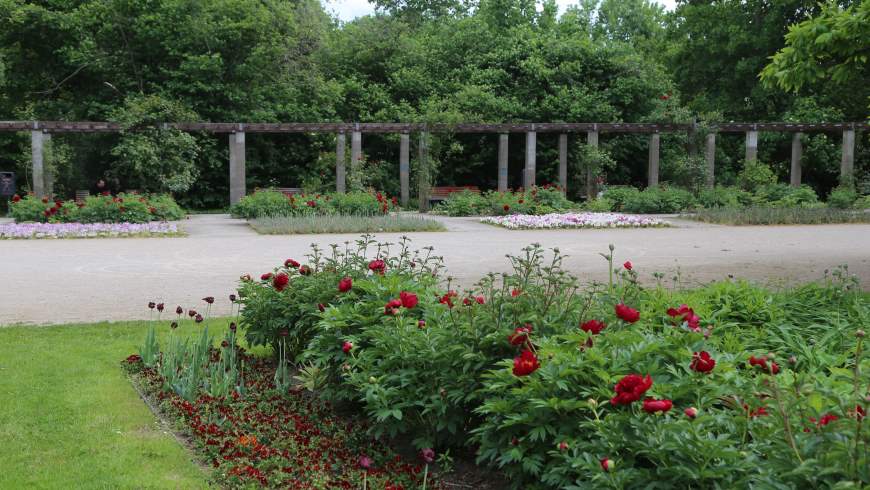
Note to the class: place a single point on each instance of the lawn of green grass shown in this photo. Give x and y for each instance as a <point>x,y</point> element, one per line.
<point>69,417</point>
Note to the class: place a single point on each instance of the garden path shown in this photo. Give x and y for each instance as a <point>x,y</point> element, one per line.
<point>60,281</point>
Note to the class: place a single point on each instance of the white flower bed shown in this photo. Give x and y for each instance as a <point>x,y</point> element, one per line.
<point>81,230</point>
<point>573,220</point>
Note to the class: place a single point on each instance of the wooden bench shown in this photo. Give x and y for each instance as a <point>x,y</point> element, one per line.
<point>287,191</point>
<point>442,193</point>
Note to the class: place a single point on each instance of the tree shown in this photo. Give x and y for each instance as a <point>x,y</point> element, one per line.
<point>833,46</point>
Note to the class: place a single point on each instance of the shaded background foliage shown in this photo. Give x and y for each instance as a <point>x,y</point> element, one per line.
<point>415,60</point>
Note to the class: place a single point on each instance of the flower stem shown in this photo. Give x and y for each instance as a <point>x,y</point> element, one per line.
<point>788,435</point>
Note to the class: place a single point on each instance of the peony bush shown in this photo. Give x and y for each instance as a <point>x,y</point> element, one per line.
<point>270,203</point>
<point>104,208</point>
<point>536,201</point>
<point>559,384</point>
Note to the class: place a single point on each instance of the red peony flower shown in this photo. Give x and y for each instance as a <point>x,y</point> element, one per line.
<point>630,388</point>
<point>526,363</point>
<point>651,405</point>
<point>16,198</point>
<point>702,362</point>
<point>593,326</point>
<point>408,300</point>
<point>377,266</point>
<point>516,292</point>
<point>686,314</point>
<point>691,412</point>
<point>827,419</point>
<point>280,281</point>
<point>198,318</point>
<point>626,313</point>
<point>627,265</point>
<point>480,300</point>
<point>345,284</point>
<point>761,362</point>
<point>520,334</point>
<point>606,464</point>
<point>304,270</point>
<point>346,347</point>
<point>466,301</point>
<point>447,299</point>
<point>191,313</point>
<point>266,276</point>
<point>291,264</point>
<point>160,307</point>
<point>506,208</point>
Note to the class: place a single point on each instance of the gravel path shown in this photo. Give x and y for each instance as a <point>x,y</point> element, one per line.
<point>62,281</point>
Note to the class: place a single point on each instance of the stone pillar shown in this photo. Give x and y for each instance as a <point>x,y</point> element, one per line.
<point>355,149</point>
<point>531,152</point>
<point>502,162</point>
<point>711,159</point>
<point>237,166</point>
<point>591,185</point>
<point>653,170</point>
<point>751,146</point>
<point>47,169</point>
<point>404,167</point>
<point>797,151</point>
<point>847,164</point>
<point>340,170</point>
<point>423,172</point>
<point>563,162</point>
<point>37,153</point>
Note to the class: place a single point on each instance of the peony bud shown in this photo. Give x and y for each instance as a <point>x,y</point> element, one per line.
<point>179,310</point>
<point>346,347</point>
<point>421,324</point>
<point>151,305</point>
<point>859,333</point>
<point>691,412</point>
<point>792,360</point>
<point>160,307</point>
<point>232,326</point>
<point>373,380</point>
<point>592,402</point>
<point>233,297</point>
<point>198,318</point>
<point>321,307</point>
<point>173,325</point>
<point>607,465</point>
<point>563,446</point>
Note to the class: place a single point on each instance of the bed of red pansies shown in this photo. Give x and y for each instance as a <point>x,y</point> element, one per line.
<point>280,439</point>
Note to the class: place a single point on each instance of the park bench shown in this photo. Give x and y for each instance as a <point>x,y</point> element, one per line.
<point>441,193</point>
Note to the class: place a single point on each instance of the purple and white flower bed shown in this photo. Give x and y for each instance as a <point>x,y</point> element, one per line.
<point>573,220</point>
<point>89,230</point>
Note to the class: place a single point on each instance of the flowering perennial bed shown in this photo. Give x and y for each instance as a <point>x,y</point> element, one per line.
<point>573,220</point>
<point>555,385</point>
<point>86,230</point>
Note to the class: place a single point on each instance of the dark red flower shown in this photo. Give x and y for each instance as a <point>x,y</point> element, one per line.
<point>225,344</point>
<point>686,314</point>
<point>179,310</point>
<point>702,362</point>
<point>467,301</point>
<point>506,208</point>
<point>427,455</point>
<point>480,300</point>
<point>191,313</point>
<point>520,334</point>
<point>593,326</point>
<point>233,326</point>
<point>377,266</point>
<point>321,307</point>
<point>630,388</point>
<point>346,347</point>
<point>627,265</point>
<point>198,318</point>
<point>280,281</point>
<point>345,284</point>
<point>304,270</point>
<point>266,276</point>
<point>526,363</point>
<point>16,198</point>
<point>761,362</point>
<point>563,446</point>
<point>408,300</point>
<point>626,313</point>
<point>421,324</point>
<point>311,204</point>
<point>209,299</point>
<point>447,299</point>
<point>133,359</point>
<point>291,264</point>
<point>516,292</point>
<point>233,298</point>
<point>651,405</point>
<point>151,305</point>
<point>44,200</point>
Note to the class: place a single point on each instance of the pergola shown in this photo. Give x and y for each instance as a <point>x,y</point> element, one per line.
<point>41,131</point>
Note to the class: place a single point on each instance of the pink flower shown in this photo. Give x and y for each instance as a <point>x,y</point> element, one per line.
<point>627,265</point>
<point>427,455</point>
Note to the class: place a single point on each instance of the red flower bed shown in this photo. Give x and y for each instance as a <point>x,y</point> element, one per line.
<point>282,440</point>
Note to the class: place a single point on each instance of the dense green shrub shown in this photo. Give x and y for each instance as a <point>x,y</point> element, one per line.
<point>268,203</point>
<point>537,200</point>
<point>842,197</point>
<point>784,195</point>
<point>451,364</point>
<point>659,199</point>
<point>105,208</point>
<point>724,197</point>
<point>755,174</point>
<point>619,195</point>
